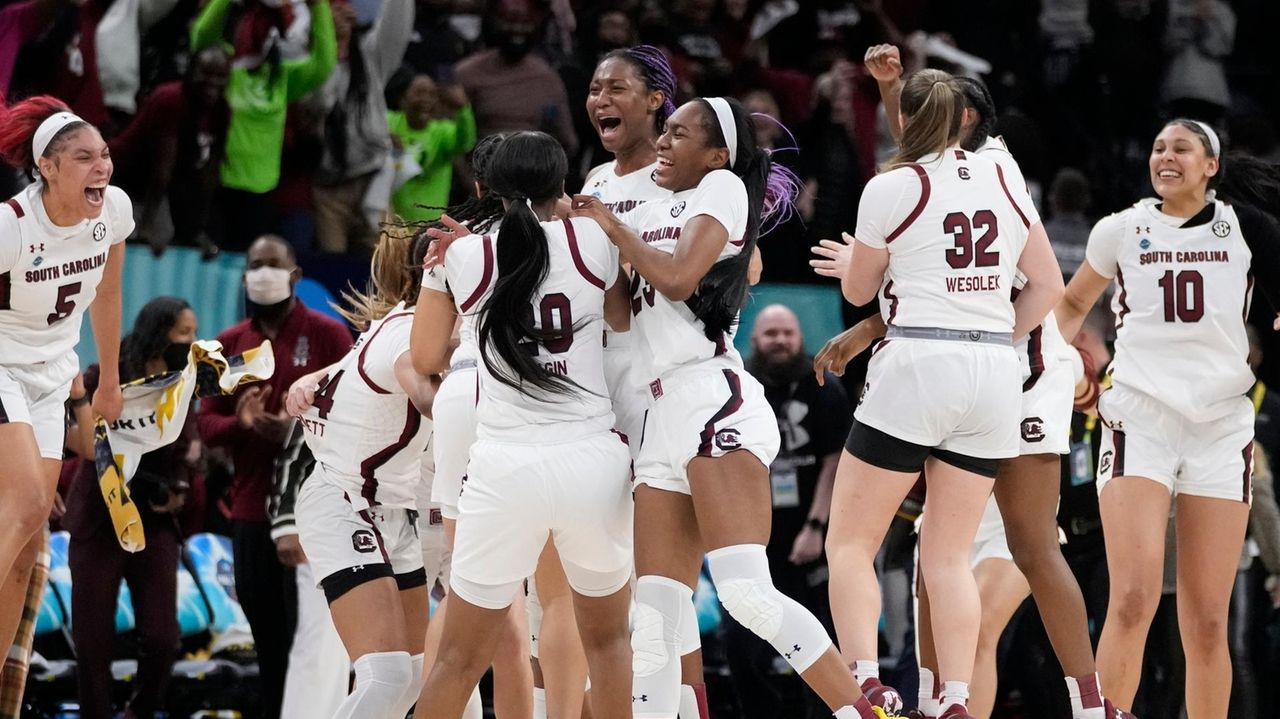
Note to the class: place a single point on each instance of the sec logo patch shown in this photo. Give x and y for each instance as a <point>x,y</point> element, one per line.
<point>99,232</point>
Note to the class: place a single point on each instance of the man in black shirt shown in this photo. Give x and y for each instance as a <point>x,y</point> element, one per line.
<point>813,421</point>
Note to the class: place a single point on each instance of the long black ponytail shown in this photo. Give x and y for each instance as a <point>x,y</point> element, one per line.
<point>771,193</point>
<point>526,168</point>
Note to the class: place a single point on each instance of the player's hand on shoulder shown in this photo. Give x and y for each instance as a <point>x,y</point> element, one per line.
<point>592,207</point>
<point>441,238</point>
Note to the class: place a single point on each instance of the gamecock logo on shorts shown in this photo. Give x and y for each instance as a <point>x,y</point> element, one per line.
<point>362,541</point>
<point>1104,463</point>
<point>728,439</point>
<point>1032,429</point>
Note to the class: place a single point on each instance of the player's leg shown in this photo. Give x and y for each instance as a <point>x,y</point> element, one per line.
<point>1135,514</point>
<point>431,649</point>
<point>1027,489</point>
<point>560,656</point>
<point>1210,533</point>
<point>469,639</point>
<point>1002,589</point>
<point>957,496</point>
<point>606,641</point>
<point>17,665</point>
<point>512,673</point>
<point>27,485</point>
<point>926,656</point>
<point>733,502</point>
<point>414,603</point>
<point>668,558</point>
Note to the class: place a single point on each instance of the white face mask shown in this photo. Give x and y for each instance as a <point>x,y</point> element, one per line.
<point>268,285</point>
<point>468,26</point>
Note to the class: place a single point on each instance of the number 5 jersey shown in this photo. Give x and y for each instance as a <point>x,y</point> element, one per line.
<point>49,274</point>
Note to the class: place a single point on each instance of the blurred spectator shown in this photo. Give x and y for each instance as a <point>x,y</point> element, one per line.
<point>813,420</point>
<point>700,65</point>
<point>356,141</point>
<point>159,342</point>
<point>261,86</point>
<point>119,48</point>
<point>434,129</point>
<point>169,156</point>
<point>510,86</point>
<point>252,426</point>
<point>1199,36</point>
<point>63,62</point>
<point>435,45</point>
<point>835,155</point>
<point>22,23</point>
<point>1067,226</point>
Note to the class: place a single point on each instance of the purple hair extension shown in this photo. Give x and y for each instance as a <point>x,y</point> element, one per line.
<point>782,186</point>
<point>657,75</point>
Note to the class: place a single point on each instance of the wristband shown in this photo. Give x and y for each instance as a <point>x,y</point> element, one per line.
<point>814,523</point>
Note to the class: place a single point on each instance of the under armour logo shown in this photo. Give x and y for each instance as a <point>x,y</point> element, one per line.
<point>1143,230</point>
<point>795,649</point>
<point>33,247</point>
<point>641,698</point>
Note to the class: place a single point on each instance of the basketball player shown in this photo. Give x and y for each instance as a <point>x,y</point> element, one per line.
<point>702,474</point>
<point>547,461</point>
<point>942,234</point>
<point>454,412</point>
<point>1027,486</point>
<point>61,252</point>
<point>357,513</point>
<point>1179,426</point>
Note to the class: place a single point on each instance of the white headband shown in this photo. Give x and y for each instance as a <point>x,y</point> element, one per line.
<point>48,129</point>
<point>728,126</point>
<point>1214,143</point>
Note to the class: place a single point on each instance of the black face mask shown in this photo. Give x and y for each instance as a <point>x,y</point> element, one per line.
<point>513,48</point>
<point>175,355</point>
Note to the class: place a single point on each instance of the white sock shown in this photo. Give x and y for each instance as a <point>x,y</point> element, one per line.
<point>539,703</point>
<point>954,693</point>
<point>927,696</point>
<point>847,712</point>
<point>1086,697</point>
<point>474,708</point>
<point>864,670</point>
<point>688,703</point>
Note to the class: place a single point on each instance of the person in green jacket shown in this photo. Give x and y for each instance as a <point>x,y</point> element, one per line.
<point>261,87</point>
<point>433,129</point>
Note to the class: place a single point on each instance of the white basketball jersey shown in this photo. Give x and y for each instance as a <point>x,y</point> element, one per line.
<point>1182,295</point>
<point>667,333</point>
<point>583,264</point>
<point>622,194</point>
<point>362,426</point>
<point>49,274</point>
<point>467,348</point>
<point>954,228</point>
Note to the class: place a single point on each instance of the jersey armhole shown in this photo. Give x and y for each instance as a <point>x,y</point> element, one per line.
<point>486,276</point>
<point>925,191</point>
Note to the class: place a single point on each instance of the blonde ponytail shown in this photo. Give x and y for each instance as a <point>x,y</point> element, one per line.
<point>932,106</point>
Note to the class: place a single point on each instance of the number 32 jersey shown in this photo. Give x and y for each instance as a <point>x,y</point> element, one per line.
<point>49,274</point>
<point>583,265</point>
<point>954,227</point>
<point>1182,295</point>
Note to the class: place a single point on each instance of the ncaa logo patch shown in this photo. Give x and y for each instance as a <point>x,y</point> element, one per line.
<point>362,541</point>
<point>728,439</point>
<point>677,209</point>
<point>1032,429</point>
<point>1104,463</point>
<point>99,232</point>
<point>1221,228</point>
<point>1144,243</point>
<point>39,260</point>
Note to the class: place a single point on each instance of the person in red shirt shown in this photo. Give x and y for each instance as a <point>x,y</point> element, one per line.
<point>253,426</point>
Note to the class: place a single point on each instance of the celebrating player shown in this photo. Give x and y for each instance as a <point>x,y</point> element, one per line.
<point>61,252</point>
<point>546,462</point>
<point>941,234</point>
<point>1179,426</point>
<point>356,513</point>
<point>694,487</point>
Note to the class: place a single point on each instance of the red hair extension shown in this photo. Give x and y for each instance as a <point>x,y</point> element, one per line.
<point>18,126</point>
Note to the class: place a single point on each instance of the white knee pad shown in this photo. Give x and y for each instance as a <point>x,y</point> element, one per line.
<point>655,645</point>
<point>741,574</point>
<point>414,688</point>
<point>533,609</point>
<point>690,635</point>
<point>382,679</point>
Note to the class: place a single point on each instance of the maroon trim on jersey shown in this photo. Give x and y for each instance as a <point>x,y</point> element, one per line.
<point>1035,357</point>
<point>731,405</point>
<point>893,302</point>
<point>17,208</point>
<point>377,535</point>
<point>360,358</point>
<point>369,467</point>
<point>485,278</point>
<point>960,155</point>
<point>919,208</point>
<point>1247,453</point>
<point>1003,186</point>
<point>1120,298</point>
<point>577,256</point>
<point>1117,463</point>
<point>879,346</point>
<point>6,291</point>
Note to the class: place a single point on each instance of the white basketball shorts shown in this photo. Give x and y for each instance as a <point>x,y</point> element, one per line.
<point>454,423</point>
<point>1046,411</point>
<point>36,395</point>
<point>703,414</point>
<point>577,492</point>
<point>1146,438</point>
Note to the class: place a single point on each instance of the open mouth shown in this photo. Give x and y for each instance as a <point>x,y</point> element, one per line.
<point>94,195</point>
<point>1169,175</point>
<point>609,125</point>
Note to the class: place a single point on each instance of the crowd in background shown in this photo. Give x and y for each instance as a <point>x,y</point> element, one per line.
<point>312,121</point>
